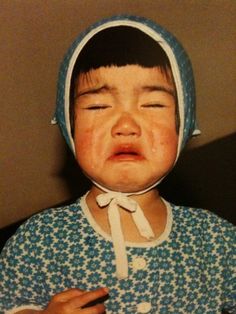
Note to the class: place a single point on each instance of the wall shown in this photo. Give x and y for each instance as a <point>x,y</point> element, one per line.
<point>34,36</point>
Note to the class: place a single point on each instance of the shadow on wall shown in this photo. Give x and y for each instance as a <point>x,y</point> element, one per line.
<point>203,177</point>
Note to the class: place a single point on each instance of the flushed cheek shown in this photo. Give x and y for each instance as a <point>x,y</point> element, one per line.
<point>82,140</point>
<point>83,144</point>
<point>164,143</point>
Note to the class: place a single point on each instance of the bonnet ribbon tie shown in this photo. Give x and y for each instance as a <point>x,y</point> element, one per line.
<point>114,200</point>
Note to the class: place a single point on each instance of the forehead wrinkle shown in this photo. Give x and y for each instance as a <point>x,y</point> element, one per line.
<point>94,84</point>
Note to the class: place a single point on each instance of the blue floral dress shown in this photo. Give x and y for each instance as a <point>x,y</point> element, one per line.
<point>189,269</point>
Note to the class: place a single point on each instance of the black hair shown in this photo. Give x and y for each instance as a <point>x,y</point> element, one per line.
<point>118,46</point>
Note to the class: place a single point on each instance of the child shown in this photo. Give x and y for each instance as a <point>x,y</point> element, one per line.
<point>126,108</point>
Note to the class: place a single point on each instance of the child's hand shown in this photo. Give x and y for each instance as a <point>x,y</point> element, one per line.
<point>74,301</point>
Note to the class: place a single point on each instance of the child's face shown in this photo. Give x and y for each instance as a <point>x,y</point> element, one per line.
<point>125,130</point>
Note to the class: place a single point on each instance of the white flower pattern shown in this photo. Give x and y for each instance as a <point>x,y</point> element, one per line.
<point>190,272</point>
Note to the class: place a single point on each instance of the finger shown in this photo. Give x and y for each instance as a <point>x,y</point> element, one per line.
<point>97,309</point>
<point>67,295</point>
<point>87,297</point>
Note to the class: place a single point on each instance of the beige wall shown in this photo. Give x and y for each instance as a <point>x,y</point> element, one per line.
<point>35,34</point>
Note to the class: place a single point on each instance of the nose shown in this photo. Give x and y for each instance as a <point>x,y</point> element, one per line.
<point>126,125</point>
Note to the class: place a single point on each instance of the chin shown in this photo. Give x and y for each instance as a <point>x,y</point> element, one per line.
<point>129,187</point>
<point>128,183</point>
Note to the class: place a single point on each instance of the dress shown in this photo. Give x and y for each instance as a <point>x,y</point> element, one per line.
<point>189,269</point>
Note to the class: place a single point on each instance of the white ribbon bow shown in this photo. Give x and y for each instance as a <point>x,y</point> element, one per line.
<point>114,200</point>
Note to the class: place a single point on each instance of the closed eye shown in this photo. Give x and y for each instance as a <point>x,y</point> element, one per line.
<point>97,107</point>
<point>153,106</point>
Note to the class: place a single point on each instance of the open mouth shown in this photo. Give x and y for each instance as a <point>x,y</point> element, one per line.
<point>126,153</point>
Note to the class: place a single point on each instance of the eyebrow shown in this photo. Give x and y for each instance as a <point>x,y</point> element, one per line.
<point>159,88</point>
<point>107,88</point>
<point>95,90</point>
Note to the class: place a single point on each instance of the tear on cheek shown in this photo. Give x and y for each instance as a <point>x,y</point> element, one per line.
<point>164,142</point>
